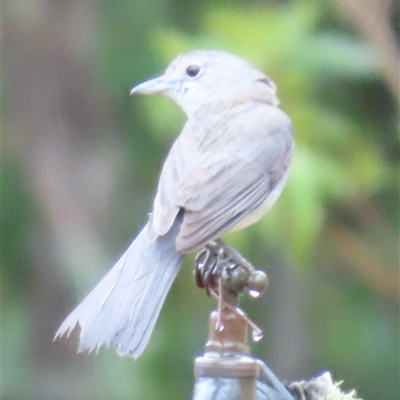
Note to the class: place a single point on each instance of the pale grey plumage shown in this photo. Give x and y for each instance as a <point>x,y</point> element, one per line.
<point>225,170</point>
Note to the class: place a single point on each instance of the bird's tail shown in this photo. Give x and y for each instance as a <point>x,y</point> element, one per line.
<point>123,308</point>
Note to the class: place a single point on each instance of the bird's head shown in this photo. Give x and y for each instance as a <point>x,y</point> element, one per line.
<point>204,76</point>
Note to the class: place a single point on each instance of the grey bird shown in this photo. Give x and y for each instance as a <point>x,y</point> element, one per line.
<point>225,170</point>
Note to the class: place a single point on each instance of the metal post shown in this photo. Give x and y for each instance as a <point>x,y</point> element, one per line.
<point>226,369</point>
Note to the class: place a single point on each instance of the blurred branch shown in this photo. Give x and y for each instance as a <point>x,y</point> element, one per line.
<point>354,251</point>
<point>372,19</point>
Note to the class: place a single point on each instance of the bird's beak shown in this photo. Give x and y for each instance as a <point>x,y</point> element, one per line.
<point>157,85</point>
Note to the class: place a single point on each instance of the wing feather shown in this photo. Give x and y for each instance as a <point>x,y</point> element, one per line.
<point>223,209</point>
<point>221,169</point>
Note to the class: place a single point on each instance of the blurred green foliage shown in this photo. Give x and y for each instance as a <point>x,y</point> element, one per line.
<point>330,244</point>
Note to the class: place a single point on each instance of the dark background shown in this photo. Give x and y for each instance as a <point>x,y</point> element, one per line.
<point>80,163</point>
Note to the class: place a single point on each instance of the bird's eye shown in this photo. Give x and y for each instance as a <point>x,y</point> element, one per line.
<point>193,70</point>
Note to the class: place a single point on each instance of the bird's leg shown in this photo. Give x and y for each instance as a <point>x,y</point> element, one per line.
<point>209,266</point>
<point>206,264</point>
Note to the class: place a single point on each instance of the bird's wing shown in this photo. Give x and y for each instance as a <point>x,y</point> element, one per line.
<point>216,201</point>
<point>219,186</point>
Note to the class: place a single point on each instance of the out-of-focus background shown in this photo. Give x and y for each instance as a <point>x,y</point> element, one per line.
<point>80,165</point>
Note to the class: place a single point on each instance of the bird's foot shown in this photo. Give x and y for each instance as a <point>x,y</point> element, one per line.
<point>220,261</point>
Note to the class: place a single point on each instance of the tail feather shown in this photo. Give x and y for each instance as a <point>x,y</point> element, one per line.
<point>123,308</point>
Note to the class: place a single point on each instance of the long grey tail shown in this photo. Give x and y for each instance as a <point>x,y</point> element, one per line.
<point>123,308</point>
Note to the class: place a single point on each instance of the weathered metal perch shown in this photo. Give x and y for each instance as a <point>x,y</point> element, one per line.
<point>226,370</point>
